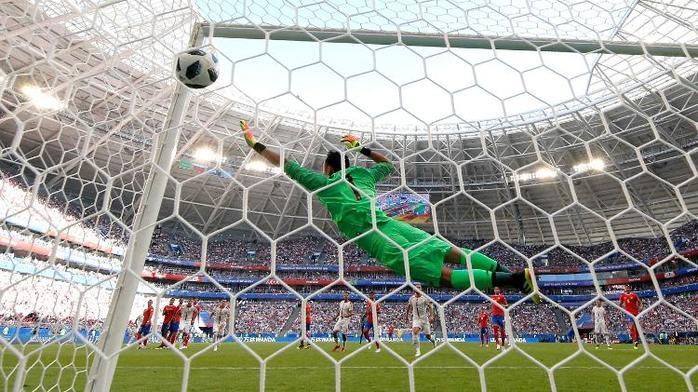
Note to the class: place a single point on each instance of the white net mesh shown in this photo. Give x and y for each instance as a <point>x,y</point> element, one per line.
<point>555,135</point>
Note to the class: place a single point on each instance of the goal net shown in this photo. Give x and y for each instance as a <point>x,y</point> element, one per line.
<point>555,136</point>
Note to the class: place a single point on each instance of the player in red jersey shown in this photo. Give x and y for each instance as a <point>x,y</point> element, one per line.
<point>632,304</point>
<point>167,313</point>
<point>483,321</point>
<point>146,323</point>
<point>305,339</point>
<point>367,324</point>
<point>498,317</point>
<point>391,331</point>
<point>174,325</point>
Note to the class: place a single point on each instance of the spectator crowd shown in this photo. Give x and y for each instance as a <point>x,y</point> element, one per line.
<point>72,283</point>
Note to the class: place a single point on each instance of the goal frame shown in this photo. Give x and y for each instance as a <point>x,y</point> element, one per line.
<point>164,149</point>
<point>372,37</point>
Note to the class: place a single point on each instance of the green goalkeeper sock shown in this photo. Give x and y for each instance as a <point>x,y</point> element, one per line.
<point>480,261</point>
<point>461,280</point>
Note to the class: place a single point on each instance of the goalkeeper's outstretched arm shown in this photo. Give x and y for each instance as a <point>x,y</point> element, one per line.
<point>377,157</point>
<point>352,142</point>
<point>272,156</point>
<point>309,179</point>
<point>383,167</point>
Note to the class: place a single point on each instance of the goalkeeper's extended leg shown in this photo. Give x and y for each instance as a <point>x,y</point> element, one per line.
<point>460,279</point>
<point>499,274</point>
<point>477,260</point>
<point>427,256</point>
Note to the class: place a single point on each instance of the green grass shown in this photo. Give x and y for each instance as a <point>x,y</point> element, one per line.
<point>64,367</point>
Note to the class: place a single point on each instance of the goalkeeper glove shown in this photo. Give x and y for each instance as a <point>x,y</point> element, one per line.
<point>249,137</point>
<point>351,142</point>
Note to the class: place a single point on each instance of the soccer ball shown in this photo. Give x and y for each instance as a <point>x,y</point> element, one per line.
<point>197,68</point>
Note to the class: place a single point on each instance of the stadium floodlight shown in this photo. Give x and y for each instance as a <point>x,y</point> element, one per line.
<point>540,174</point>
<point>522,177</point>
<point>206,154</point>
<point>593,165</point>
<point>546,173</point>
<point>41,99</point>
<point>262,167</point>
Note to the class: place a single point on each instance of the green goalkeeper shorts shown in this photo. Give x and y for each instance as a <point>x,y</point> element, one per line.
<point>425,260</point>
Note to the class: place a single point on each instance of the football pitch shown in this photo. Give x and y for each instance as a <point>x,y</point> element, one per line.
<point>64,367</point>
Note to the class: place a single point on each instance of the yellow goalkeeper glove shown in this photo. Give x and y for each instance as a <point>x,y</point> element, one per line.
<point>249,137</point>
<point>350,141</point>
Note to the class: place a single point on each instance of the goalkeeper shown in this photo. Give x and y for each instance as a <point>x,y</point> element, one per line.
<point>350,208</point>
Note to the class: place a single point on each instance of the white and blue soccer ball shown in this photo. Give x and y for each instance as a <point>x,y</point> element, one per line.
<point>197,68</point>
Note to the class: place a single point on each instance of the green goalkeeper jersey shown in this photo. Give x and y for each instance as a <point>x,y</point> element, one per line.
<point>349,207</point>
<point>351,210</point>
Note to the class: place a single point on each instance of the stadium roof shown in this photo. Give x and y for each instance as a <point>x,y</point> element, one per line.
<point>114,77</point>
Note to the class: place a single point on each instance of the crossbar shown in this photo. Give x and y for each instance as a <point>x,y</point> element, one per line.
<point>563,45</point>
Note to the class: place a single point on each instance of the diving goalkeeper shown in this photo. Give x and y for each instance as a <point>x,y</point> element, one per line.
<point>350,209</point>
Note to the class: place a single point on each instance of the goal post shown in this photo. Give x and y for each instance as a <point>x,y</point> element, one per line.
<point>369,37</point>
<point>164,152</point>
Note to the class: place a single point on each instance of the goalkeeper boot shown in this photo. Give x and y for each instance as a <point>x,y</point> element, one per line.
<point>529,286</point>
<point>521,280</point>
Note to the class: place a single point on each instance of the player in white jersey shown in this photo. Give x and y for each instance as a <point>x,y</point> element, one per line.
<point>422,312</point>
<point>190,313</point>
<point>133,330</point>
<point>346,310</point>
<point>221,314</point>
<point>598,314</point>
